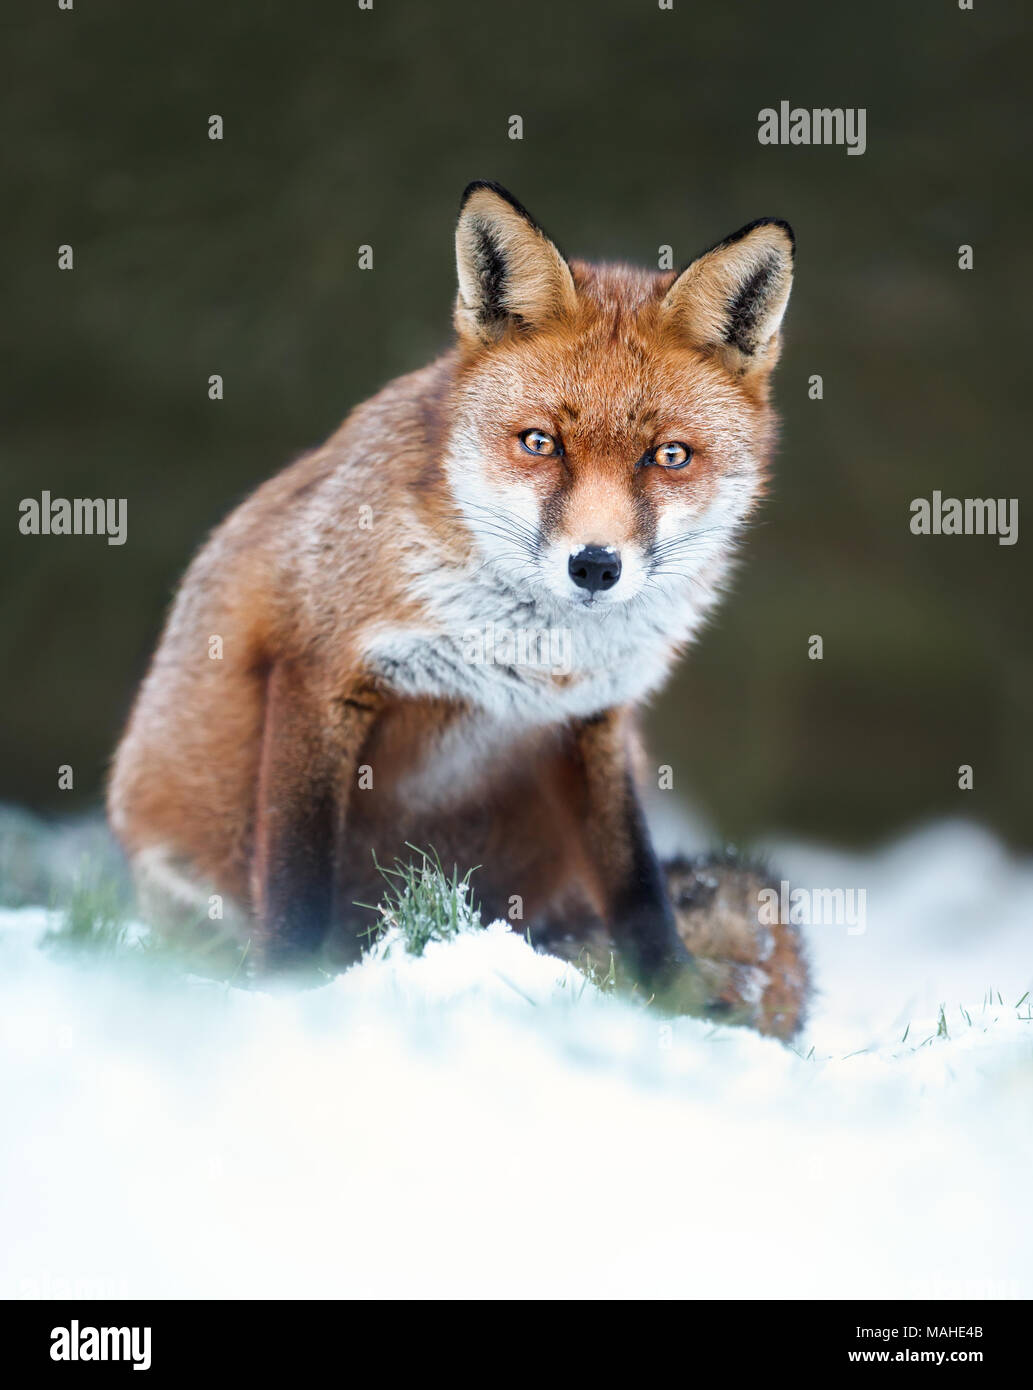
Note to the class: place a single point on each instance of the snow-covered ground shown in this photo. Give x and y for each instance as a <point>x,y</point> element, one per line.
<point>482,1122</point>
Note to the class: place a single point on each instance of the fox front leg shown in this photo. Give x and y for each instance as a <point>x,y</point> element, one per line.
<point>638,907</point>
<point>309,754</point>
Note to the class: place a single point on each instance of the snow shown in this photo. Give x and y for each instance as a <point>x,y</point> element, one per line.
<point>481,1121</point>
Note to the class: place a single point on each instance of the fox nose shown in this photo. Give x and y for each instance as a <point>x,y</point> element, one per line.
<point>595,567</point>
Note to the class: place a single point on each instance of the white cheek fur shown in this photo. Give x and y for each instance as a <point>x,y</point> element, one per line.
<point>616,652</point>
<point>503,515</point>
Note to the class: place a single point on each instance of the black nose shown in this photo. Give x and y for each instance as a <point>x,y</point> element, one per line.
<point>595,567</point>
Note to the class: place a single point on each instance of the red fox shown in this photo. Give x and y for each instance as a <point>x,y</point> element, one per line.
<point>435,629</point>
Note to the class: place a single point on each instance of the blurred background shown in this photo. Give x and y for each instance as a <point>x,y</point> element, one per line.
<point>346,127</point>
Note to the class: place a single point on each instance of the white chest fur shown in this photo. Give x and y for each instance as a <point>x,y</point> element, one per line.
<point>526,661</point>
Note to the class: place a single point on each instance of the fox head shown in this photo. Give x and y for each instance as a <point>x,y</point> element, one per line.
<point>611,425</point>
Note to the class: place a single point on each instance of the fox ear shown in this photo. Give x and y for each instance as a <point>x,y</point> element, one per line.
<point>510,273</point>
<point>732,298</point>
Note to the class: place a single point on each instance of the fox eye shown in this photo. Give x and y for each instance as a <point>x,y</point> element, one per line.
<point>539,443</point>
<point>673,455</point>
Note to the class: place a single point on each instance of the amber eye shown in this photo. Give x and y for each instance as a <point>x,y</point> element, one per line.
<point>539,443</point>
<point>672,455</point>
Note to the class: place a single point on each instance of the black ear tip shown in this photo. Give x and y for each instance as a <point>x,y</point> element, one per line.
<point>500,192</point>
<point>781,222</point>
<point>491,186</point>
<point>752,227</point>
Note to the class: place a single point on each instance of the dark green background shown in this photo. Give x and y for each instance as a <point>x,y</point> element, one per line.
<point>344,127</point>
